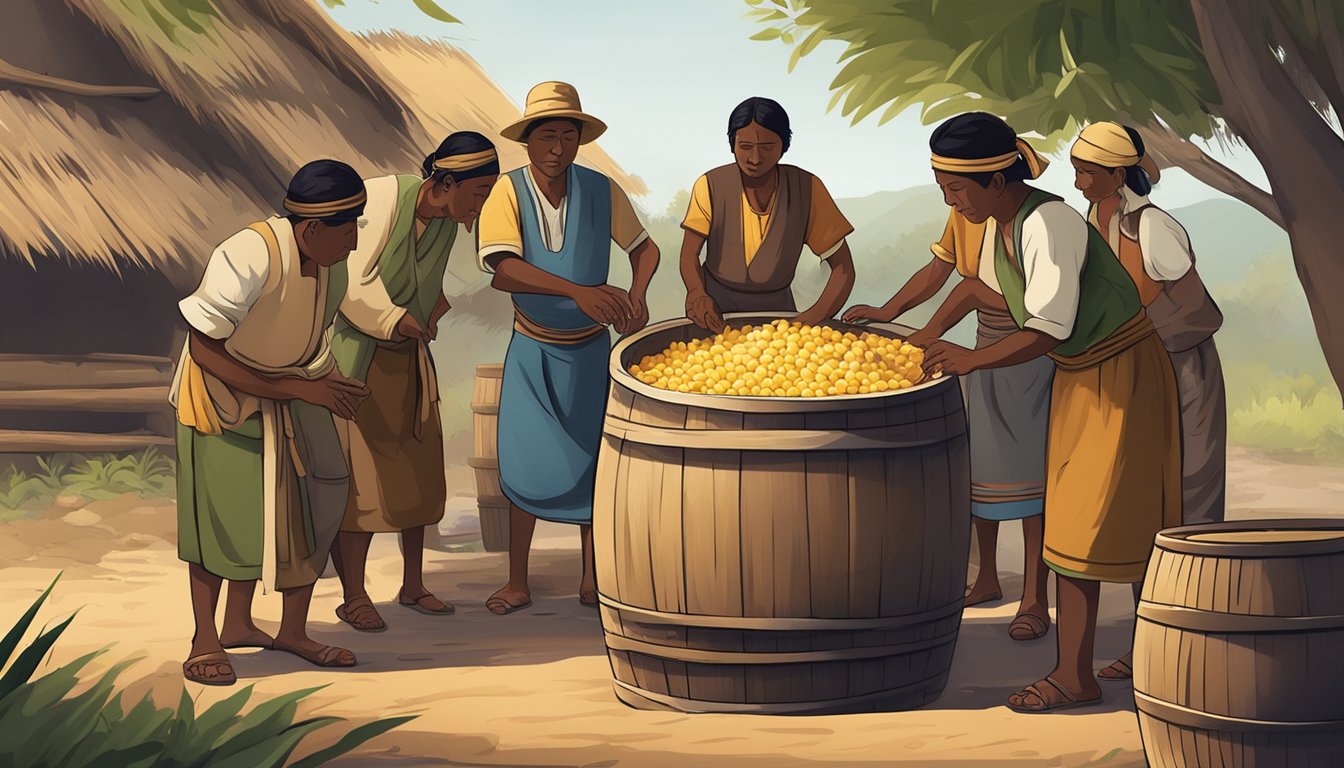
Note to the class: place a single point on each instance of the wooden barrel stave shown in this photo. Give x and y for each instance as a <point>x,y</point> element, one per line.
<point>702,527</point>
<point>1236,648</point>
<point>492,507</point>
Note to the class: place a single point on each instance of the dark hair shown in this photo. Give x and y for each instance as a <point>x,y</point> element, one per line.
<point>535,124</point>
<point>1136,178</point>
<point>976,135</point>
<point>325,181</point>
<point>766,113</point>
<point>460,143</point>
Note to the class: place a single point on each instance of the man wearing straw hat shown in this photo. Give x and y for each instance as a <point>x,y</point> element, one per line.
<point>545,234</point>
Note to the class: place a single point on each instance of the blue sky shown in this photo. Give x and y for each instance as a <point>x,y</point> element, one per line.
<point>664,76</point>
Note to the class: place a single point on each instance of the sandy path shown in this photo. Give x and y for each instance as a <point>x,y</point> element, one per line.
<point>533,688</point>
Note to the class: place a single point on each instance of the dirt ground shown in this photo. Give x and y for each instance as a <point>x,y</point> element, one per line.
<point>533,689</point>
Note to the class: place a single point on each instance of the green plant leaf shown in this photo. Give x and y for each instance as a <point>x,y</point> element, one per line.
<point>352,740</point>
<point>21,671</point>
<point>266,720</point>
<point>20,628</point>
<point>273,751</point>
<point>433,11</point>
<point>769,33</point>
<point>209,728</point>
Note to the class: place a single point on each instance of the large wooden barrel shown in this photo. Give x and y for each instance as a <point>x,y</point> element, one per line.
<point>779,555</point>
<point>1238,646</point>
<point>490,502</point>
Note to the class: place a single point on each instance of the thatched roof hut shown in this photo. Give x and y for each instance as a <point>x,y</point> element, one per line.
<point>129,148</point>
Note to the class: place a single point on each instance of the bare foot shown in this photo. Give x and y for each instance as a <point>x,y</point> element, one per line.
<point>507,600</point>
<point>982,591</point>
<point>245,636</point>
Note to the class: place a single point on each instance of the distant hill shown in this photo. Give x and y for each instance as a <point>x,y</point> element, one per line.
<point>1228,237</point>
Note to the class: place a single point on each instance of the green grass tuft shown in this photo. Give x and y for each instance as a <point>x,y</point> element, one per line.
<point>54,720</point>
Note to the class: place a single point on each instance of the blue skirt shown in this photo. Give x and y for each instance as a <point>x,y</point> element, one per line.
<point>551,406</point>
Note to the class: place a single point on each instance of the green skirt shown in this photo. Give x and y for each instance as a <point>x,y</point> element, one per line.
<point>220,523</point>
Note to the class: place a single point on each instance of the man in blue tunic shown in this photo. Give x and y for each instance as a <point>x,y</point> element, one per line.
<point>545,233</point>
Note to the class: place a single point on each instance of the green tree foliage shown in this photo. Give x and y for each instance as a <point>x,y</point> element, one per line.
<point>1266,73</point>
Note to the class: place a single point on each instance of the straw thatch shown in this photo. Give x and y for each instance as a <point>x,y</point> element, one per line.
<point>155,182</point>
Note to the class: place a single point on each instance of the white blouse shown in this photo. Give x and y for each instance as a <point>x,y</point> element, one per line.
<point>1054,250</point>
<point>233,280</point>
<point>1164,242</point>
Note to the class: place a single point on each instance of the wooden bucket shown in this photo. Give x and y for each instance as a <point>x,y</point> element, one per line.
<point>779,555</point>
<point>1238,646</point>
<point>493,507</point>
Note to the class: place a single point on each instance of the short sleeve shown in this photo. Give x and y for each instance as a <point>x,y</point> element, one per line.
<point>499,228</point>
<point>1165,246</point>
<point>826,225</point>
<point>1054,249</point>
<point>234,277</point>
<point>698,212</point>
<point>946,247</point>
<point>626,229</point>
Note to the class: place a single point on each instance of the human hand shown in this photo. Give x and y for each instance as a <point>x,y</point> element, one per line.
<point>409,328</point>
<point>605,304</point>
<point>338,394</point>
<point>865,312</point>
<point>639,317</point>
<point>948,358</point>
<point>701,310</point>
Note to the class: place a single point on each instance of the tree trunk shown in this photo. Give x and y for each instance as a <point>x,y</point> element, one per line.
<point>1301,154</point>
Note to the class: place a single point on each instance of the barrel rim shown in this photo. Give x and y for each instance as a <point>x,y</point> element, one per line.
<point>488,368</point>
<point>746,404</point>
<point>1177,539</point>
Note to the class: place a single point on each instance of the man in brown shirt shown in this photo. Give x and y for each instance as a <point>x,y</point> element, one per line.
<point>752,218</point>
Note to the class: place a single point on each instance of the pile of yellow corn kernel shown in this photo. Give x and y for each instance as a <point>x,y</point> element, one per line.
<point>783,359</point>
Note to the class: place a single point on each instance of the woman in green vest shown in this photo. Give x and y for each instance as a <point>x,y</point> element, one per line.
<point>1113,456</point>
<point>390,314</point>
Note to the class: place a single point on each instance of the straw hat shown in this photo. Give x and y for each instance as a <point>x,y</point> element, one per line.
<point>554,100</point>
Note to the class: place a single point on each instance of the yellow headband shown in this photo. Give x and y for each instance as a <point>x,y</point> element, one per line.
<point>466,162</point>
<point>1035,163</point>
<point>323,210</point>
<point>1109,145</point>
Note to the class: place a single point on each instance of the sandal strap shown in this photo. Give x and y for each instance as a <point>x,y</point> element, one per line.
<point>1064,694</point>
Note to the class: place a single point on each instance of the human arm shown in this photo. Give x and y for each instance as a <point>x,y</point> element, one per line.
<point>1054,249</point>
<point>367,304</point>
<point>628,232</point>
<point>970,294</point>
<point>605,304</point>
<point>921,287</point>
<point>644,260</point>
<point>837,290</point>
<point>441,308</point>
<point>700,308</point>
<point>338,394</point>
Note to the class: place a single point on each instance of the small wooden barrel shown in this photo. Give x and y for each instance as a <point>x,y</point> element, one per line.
<point>779,555</point>
<point>490,501</point>
<point>1238,646</point>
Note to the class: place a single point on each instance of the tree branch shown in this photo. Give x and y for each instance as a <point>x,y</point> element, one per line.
<point>11,75</point>
<point>1171,149</point>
